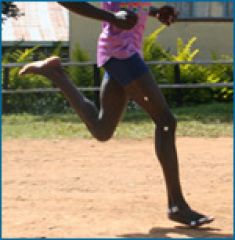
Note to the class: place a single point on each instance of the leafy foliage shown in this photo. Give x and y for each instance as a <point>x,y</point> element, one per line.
<point>35,102</point>
<point>83,76</point>
<point>214,73</point>
<point>9,9</point>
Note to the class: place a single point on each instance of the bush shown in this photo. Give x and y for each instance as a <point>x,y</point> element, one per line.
<point>214,73</point>
<point>83,76</point>
<point>37,103</point>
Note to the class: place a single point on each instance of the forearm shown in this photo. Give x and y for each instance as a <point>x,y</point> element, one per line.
<point>153,11</point>
<point>87,10</point>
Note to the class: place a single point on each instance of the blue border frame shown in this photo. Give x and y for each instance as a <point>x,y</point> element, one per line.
<point>1,126</point>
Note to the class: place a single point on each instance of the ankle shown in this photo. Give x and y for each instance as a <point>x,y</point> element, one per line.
<point>178,205</point>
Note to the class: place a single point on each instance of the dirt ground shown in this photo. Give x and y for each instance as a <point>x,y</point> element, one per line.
<point>82,188</point>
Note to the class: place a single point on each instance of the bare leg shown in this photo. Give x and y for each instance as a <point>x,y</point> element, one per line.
<point>101,123</point>
<point>147,94</point>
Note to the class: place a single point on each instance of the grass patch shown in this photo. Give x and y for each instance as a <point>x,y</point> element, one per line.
<point>209,120</point>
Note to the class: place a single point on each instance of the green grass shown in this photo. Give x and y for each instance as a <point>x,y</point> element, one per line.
<point>210,120</point>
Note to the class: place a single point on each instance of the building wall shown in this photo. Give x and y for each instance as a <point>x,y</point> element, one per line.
<point>41,22</point>
<point>211,36</point>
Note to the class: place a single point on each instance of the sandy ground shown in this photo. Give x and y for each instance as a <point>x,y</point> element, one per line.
<point>82,188</point>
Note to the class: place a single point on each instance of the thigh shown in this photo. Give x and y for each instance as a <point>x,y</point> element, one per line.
<point>146,93</point>
<point>113,101</point>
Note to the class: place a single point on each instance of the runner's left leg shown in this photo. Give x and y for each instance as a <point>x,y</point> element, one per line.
<point>147,94</point>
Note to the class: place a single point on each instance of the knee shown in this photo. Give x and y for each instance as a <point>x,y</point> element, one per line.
<point>102,136</point>
<point>167,122</point>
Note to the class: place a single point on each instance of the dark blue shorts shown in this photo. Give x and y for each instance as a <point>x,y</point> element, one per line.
<point>127,70</point>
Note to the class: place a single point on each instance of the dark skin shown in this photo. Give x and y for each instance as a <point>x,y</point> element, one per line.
<point>87,10</point>
<point>166,14</point>
<point>114,97</point>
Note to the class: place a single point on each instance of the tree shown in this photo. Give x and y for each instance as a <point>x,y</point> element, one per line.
<point>9,9</point>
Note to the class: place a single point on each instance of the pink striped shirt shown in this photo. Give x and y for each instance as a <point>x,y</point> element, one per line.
<point>118,43</point>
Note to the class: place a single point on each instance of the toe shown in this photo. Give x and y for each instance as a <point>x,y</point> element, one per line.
<point>22,71</point>
<point>201,221</point>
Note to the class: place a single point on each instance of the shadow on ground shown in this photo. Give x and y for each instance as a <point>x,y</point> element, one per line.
<point>181,232</point>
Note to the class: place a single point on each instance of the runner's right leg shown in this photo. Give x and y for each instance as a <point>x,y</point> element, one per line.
<point>113,99</point>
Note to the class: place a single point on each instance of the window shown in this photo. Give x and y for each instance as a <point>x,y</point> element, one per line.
<point>205,10</point>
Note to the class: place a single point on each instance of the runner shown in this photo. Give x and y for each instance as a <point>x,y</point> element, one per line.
<point>126,77</point>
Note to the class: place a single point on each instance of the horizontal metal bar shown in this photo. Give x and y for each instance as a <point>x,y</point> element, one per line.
<point>163,86</point>
<point>90,63</point>
<point>205,19</point>
<point>22,43</point>
<point>68,64</point>
<point>188,62</point>
<point>11,65</point>
<point>197,85</point>
<point>45,90</point>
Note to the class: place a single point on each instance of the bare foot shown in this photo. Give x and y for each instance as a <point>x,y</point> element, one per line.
<point>189,217</point>
<point>41,67</point>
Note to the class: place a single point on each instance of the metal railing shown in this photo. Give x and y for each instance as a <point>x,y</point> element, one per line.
<point>97,79</point>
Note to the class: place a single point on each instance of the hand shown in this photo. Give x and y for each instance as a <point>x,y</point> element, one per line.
<point>167,15</point>
<point>125,19</point>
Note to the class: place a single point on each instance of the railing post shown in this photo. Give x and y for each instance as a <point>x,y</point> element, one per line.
<point>97,81</point>
<point>6,71</point>
<point>178,81</point>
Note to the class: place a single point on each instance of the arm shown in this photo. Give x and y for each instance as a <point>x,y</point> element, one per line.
<point>87,10</point>
<point>121,19</point>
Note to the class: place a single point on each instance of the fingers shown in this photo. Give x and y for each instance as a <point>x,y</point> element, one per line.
<point>170,20</point>
<point>167,15</point>
<point>167,21</point>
